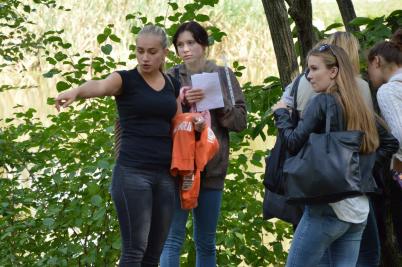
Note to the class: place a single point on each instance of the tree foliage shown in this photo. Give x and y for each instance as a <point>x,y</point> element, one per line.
<point>55,208</point>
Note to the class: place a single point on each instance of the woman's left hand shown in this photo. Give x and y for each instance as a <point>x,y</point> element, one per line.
<point>199,123</point>
<point>278,105</point>
<point>194,95</point>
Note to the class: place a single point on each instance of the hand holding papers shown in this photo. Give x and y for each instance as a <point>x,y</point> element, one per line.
<point>210,84</point>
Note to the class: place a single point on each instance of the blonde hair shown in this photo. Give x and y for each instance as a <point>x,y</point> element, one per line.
<point>351,46</point>
<point>356,113</point>
<point>159,32</point>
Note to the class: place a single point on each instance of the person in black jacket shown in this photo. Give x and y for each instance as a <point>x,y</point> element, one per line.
<point>330,233</point>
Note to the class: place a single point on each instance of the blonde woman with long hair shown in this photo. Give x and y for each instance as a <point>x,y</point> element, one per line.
<point>330,233</point>
<point>351,45</point>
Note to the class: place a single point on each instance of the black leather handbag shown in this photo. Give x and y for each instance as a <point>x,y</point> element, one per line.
<point>326,169</point>
<point>274,203</point>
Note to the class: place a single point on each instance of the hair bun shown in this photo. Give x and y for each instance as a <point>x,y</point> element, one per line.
<point>397,38</point>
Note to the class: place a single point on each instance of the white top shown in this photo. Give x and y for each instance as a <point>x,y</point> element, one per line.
<point>352,210</point>
<point>389,97</point>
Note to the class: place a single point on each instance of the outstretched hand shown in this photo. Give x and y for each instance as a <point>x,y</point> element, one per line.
<point>65,99</point>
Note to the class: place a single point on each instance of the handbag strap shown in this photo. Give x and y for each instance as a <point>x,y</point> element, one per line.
<point>328,121</point>
<point>170,81</point>
<point>328,115</point>
<point>294,90</point>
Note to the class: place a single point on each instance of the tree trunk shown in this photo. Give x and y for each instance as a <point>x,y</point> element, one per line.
<point>348,14</point>
<point>301,12</point>
<point>277,18</point>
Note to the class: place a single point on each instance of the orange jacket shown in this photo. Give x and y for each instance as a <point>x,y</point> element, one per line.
<point>190,155</point>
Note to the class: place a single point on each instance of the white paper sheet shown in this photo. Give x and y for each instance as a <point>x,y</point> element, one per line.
<point>209,82</point>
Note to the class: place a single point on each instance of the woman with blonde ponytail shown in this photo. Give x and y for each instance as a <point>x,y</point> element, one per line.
<point>330,233</point>
<point>142,187</point>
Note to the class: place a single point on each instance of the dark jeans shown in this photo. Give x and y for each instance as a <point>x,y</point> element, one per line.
<point>370,247</point>
<point>144,201</point>
<point>396,205</point>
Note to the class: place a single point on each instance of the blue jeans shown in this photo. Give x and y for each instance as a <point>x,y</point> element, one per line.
<point>370,247</point>
<point>205,218</point>
<point>144,201</point>
<point>321,239</point>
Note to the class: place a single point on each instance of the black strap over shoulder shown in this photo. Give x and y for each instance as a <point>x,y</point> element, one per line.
<point>295,88</point>
<point>170,81</point>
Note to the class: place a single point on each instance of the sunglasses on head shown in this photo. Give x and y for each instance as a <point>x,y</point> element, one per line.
<point>325,47</point>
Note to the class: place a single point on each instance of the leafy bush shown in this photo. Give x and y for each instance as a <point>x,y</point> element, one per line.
<point>55,208</point>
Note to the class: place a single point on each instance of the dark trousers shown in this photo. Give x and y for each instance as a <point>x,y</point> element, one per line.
<point>144,201</point>
<point>396,211</point>
<point>370,247</point>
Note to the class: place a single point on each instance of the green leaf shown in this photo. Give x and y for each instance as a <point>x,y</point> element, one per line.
<point>107,32</point>
<point>60,56</point>
<point>271,79</point>
<point>116,244</point>
<point>159,19</point>
<point>333,26</point>
<point>130,16</point>
<point>93,188</point>
<point>201,17</point>
<point>51,101</point>
<point>51,73</point>
<point>101,38</point>
<point>103,164</point>
<point>107,49</point>
<point>135,29</point>
<point>114,38</point>
<point>51,60</point>
<point>359,21</point>
<point>96,200</point>
<point>61,86</point>
<point>48,222</point>
<point>27,9</point>
<point>174,6</point>
<point>99,214</point>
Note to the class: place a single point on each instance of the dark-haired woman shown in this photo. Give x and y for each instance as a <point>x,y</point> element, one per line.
<point>385,73</point>
<point>191,42</point>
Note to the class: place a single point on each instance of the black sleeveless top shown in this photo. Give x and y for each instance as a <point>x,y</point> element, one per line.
<point>145,118</point>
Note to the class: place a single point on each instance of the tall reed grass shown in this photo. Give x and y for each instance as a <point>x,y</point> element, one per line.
<point>248,39</point>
